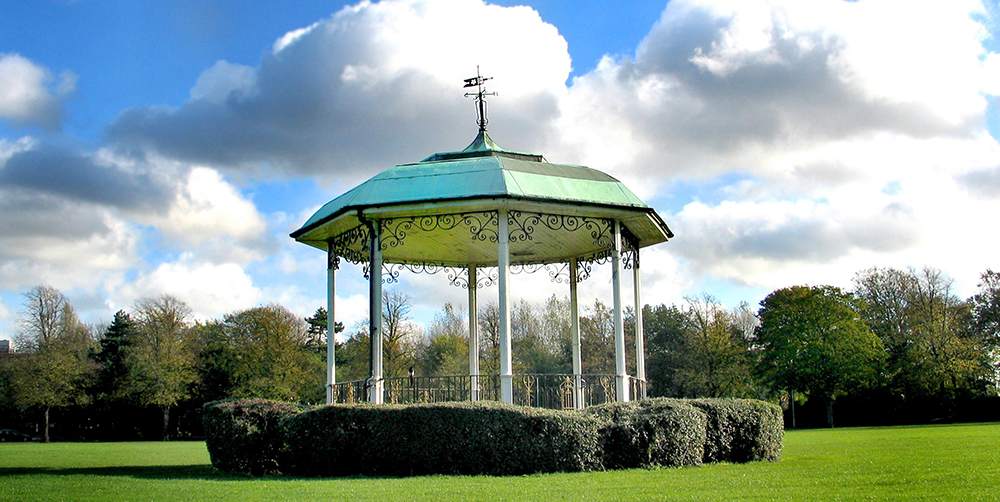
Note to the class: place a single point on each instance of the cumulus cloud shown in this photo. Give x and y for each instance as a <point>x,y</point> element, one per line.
<point>209,289</point>
<point>75,175</point>
<point>374,85</point>
<point>719,86</point>
<point>81,219</point>
<point>810,140</point>
<point>29,95</point>
<point>208,212</point>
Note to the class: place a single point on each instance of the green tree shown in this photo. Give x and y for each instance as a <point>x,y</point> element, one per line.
<point>664,328</point>
<point>160,361</point>
<point>317,330</point>
<point>110,358</point>
<point>271,357</point>
<point>986,321</point>
<point>700,350</point>
<point>52,368</point>
<point>934,346</point>
<point>813,339</point>
<point>715,356</point>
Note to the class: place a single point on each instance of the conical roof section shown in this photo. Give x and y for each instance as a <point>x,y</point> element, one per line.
<point>481,170</point>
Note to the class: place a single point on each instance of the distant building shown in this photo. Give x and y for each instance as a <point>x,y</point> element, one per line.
<point>4,346</point>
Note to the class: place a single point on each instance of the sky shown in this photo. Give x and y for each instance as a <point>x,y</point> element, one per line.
<point>170,147</point>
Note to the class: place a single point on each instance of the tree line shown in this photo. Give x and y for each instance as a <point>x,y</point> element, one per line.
<point>900,344</point>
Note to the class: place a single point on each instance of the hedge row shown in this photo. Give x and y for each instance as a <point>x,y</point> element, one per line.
<point>245,435</point>
<point>261,437</point>
<point>650,433</point>
<point>448,438</point>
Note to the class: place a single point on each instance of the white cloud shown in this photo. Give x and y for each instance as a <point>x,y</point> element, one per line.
<point>28,95</point>
<point>209,289</point>
<point>209,213</point>
<point>225,80</point>
<point>374,85</point>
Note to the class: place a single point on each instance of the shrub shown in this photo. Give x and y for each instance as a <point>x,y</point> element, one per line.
<point>650,433</point>
<point>741,430</point>
<point>445,438</point>
<point>244,435</point>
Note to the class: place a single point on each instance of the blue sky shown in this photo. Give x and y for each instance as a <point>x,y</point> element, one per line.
<point>170,147</point>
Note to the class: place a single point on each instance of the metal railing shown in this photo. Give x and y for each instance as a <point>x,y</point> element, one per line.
<point>553,391</point>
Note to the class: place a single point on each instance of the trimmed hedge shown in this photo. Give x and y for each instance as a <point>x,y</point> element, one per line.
<point>741,430</point>
<point>245,435</point>
<point>651,433</point>
<point>264,437</point>
<point>446,438</point>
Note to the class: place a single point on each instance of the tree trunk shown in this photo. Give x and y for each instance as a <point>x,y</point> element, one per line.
<point>166,423</point>
<point>829,412</point>
<point>47,424</point>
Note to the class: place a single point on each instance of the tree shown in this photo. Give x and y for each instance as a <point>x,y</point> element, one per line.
<point>400,338</point>
<point>270,357</point>
<point>447,348</point>
<point>489,339</point>
<point>934,348</point>
<point>715,355</point>
<point>53,368</point>
<point>814,339</point>
<point>700,350</point>
<point>400,335</point>
<point>160,362</point>
<point>114,343</point>
<point>317,330</point>
<point>597,339</point>
<point>986,319</point>
<point>664,328</point>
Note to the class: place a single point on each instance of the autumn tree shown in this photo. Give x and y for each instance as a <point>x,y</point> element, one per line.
<point>52,369</point>
<point>814,339</point>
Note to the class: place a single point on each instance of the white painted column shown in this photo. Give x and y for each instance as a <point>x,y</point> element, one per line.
<point>332,261</point>
<point>640,336</point>
<point>376,389</point>
<point>621,374</point>
<point>574,329</point>
<point>473,337</point>
<point>503,272</point>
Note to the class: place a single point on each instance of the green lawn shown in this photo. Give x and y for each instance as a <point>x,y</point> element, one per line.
<point>954,462</point>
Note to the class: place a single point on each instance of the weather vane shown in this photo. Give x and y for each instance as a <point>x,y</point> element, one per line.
<point>480,82</point>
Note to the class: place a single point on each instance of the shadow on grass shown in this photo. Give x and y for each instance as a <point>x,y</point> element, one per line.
<point>172,472</point>
<point>163,472</point>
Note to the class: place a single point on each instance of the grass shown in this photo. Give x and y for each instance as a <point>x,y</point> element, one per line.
<point>948,462</point>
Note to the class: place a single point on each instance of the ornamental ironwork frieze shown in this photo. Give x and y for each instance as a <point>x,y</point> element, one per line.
<point>345,244</point>
<point>482,226</point>
<point>522,226</point>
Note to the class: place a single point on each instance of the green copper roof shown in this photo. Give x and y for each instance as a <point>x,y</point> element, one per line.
<point>481,170</point>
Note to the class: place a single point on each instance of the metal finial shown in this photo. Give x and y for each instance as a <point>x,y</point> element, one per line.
<point>480,82</point>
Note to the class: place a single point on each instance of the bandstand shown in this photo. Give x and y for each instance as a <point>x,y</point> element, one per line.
<point>474,216</point>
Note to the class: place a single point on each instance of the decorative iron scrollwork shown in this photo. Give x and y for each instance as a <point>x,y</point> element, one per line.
<point>526,268</point>
<point>344,244</point>
<point>482,226</point>
<point>485,277</point>
<point>523,225</point>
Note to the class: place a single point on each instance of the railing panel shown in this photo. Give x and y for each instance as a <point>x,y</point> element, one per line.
<point>553,391</point>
